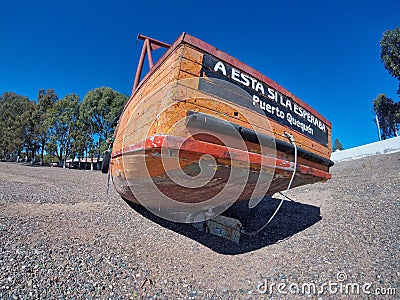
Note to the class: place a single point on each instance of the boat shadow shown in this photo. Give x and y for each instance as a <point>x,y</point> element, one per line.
<point>293,217</point>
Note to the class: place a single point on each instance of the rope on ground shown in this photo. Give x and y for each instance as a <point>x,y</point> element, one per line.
<point>293,142</point>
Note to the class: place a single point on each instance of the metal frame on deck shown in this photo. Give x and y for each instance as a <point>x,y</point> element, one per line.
<point>149,45</point>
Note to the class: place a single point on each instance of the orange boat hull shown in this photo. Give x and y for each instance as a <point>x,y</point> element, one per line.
<point>180,117</point>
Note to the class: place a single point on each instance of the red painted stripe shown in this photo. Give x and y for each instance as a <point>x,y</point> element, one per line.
<point>219,151</point>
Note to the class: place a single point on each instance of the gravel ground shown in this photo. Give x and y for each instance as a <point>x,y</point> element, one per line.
<point>63,237</point>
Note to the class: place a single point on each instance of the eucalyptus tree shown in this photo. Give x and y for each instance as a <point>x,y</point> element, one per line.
<point>61,120</point>
<point>388,113</point>
<point>390,52</point>
<point>12,119</point>
<point>45,102</point>
<point>81,140</point>
<point>100,111</point>
<point>30,129</point>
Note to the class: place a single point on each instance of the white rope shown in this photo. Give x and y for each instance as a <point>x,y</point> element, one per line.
<point>109,169</point>
<point>293,142</point>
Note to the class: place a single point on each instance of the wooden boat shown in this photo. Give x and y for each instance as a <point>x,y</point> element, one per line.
<point>198,104</point>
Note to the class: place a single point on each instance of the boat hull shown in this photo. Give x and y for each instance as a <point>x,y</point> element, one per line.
<point>139,166</point>
<point>201,124</point>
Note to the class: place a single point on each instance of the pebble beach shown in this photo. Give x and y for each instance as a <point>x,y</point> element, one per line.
<point>63,237</point>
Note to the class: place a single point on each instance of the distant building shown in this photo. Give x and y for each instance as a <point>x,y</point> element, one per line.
<point>85,163</point>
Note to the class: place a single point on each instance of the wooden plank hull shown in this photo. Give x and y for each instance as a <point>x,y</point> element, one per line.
<point>149,155</point>
<point>199,107</point>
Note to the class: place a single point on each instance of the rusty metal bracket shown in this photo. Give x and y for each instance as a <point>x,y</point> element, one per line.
<point>149,45</point>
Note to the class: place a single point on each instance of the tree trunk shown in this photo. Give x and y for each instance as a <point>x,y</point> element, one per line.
<point>64,159</point>
<point>42,153</point>
<point>86,159</point>
<point>91,161</point>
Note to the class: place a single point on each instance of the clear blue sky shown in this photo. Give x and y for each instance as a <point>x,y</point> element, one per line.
<point>325,52</point>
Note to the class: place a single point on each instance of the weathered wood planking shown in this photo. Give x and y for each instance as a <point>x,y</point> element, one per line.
<point>183,80</point>
<point>190,92</point>
<point>167,72</point>
<point>277,128</point>
<point>191,64</point>
<point>185,62</point>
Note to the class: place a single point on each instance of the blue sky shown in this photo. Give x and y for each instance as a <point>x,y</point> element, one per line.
<point>325,52</point>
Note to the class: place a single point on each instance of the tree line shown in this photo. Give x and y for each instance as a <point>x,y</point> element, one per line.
<point>386,109</point>
<point>54,128</point>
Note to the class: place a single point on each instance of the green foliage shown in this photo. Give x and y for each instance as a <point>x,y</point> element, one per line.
<point>388,113</point>
<point>60,128</point>
<point>390,52</point>
<point>30,128</point>
<point>337,145</point>
<point>49,158</point>
<point>81,140</point>
<point>61,119</point>
<point>46,101</point>
<point>100,111</point>
<point>12,107</point>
